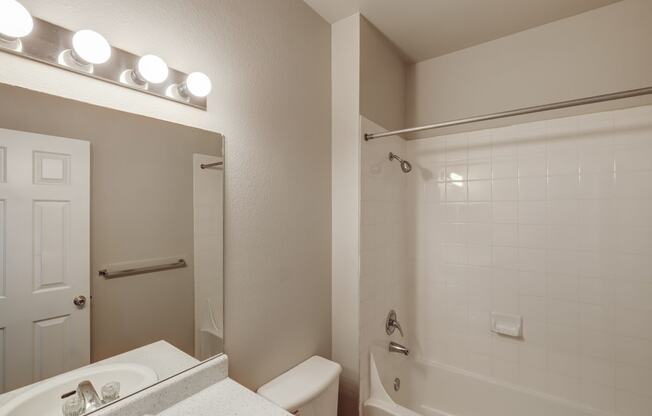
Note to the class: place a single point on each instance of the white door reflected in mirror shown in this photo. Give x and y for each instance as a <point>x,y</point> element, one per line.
<point>45,202</point>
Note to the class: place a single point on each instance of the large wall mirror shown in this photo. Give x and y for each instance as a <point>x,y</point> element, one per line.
<point>110,252</point>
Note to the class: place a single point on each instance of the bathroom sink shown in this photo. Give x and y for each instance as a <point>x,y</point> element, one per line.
<point>44,399</point>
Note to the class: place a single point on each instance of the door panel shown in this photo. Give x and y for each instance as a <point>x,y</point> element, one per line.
<point>51,168</point>
<point>51,244</point>
<point>3,227</point>
<point>2,359</point>
<point>3,164</point>
<point>50,339</point>
<point>45,218</point>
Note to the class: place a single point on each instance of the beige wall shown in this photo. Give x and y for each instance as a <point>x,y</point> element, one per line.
<point>346,206</point>
<point>141,208</point>
<point>270,64</point>
<point>368,75</point>
<point>383,73</point>
<point>601,51</point>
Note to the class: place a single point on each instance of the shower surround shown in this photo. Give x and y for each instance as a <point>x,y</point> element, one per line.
<point>549,220</point>
<point>384,267</point>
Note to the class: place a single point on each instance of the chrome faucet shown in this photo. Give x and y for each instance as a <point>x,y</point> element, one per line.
<point>394,347</point>
<point>85,399</point>
<point>392,323</point>
<point>89,396</point>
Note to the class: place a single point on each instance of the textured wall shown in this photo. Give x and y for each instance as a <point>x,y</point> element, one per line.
<point>270,65</point>
<point>368,80</point>
<point>346,206</point>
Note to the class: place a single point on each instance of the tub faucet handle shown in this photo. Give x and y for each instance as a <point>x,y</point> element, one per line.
<point>392,324</point>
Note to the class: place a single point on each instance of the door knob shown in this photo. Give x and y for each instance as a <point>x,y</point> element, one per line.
<point>79,301</point>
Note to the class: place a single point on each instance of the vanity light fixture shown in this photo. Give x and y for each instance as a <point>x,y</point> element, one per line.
<point>89,48</point>
<point>88,53</point>
<point>197,84</point>
<point>150,69</point>
<point>15,23</point>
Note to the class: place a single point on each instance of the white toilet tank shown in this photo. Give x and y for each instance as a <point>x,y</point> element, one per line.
<point>309,389</point>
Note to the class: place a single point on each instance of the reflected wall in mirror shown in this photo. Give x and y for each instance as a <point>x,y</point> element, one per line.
<point>110,250</point>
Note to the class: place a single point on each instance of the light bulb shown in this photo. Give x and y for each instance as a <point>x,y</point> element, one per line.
<point>91,47</point>
<point>152,69</point>
<point>198,84</point>
<point>15,20</point>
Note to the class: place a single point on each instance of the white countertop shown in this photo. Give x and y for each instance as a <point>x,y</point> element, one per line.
<point>204,390</point>
<point>225,398</point>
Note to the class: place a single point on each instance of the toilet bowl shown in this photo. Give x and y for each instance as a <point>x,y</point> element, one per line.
<point>309,389</point>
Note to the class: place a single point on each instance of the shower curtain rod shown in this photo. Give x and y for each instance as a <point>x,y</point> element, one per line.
<point>518,112</point>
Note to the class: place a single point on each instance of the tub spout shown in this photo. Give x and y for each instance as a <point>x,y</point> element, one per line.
<point>394,347</point>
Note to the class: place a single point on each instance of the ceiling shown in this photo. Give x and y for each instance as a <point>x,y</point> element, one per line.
<point>424,29</point>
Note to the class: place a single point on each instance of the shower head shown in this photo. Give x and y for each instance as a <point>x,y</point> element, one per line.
<point>406,167</point>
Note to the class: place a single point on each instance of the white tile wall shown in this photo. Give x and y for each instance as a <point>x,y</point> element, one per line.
<point>551,220</point>
<point>384,273</point>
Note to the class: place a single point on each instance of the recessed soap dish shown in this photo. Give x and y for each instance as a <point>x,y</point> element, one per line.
<point>507,324</point>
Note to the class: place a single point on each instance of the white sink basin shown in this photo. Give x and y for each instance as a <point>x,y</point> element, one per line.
<point>44,399</point>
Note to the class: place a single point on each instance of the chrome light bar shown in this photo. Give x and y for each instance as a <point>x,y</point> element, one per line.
<point>48,43</point>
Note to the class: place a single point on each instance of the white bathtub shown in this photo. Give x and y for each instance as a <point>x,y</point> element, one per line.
<point>431,389</point>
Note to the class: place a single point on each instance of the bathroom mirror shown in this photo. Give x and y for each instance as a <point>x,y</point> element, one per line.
<point>110,251</point>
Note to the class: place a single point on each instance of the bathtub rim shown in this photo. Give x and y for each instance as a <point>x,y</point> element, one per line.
<point>590,411</point>
<point>378,396</point>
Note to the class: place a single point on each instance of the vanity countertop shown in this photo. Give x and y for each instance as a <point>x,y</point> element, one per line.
<point>225,398</point>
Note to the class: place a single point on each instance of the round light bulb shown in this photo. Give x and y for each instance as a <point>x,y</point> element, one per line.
<point>153,69</point>
<point>91,46</point>
<point>15,20</point>
<point>199,84</point>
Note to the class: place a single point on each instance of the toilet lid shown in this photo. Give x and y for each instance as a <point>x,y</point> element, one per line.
<point>301,384</point>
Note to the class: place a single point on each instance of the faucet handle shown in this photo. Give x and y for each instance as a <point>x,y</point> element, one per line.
<point>392,324</point>
<point>74,406</point>
<point>400,330</point>
<point>110,391</point>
